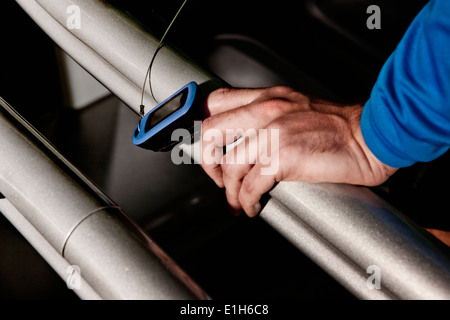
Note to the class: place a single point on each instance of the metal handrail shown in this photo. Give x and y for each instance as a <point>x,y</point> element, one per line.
<point>72,223</point>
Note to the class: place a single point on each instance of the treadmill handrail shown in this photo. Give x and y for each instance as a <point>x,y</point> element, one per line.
<point>71,222</point>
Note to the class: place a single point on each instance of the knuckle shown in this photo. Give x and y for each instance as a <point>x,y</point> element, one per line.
<point>219,95</point>
<point>290,97</point>
<point>227,169</point>
<point>282,91</point>
<point>244,198</point>
<point>232,170</point>
<point>246,188</point>
<point>272,107</point>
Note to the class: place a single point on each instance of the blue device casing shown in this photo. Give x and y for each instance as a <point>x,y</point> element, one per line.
<point>158,136</point>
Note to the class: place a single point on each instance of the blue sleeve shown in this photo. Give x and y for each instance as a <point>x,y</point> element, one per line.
<point>407,117</point>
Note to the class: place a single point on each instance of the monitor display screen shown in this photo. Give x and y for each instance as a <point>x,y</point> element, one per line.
<point>167,109</point>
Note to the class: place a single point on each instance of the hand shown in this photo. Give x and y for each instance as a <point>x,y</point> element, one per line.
<point>317,142</point>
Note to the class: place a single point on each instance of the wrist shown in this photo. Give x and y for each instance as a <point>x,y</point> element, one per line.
<point>374,171</point>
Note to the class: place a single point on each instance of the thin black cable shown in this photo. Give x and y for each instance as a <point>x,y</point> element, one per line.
<point>149,70</point>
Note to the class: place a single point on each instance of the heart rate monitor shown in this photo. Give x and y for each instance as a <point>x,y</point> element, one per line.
<point>154,130</point>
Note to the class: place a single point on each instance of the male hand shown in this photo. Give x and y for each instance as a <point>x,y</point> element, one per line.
<point>318,141</point>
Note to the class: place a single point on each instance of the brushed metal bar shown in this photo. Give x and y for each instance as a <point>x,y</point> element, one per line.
<point>60,204</point>
<point>46,250</point>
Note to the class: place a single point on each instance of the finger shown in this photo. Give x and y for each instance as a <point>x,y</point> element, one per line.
<point>232,183</point>
<point>247,109</point>
<point>227,126</point>
<point>215,173</point>
<point>222,130</point>
<point>263,175</point>
<point>236,164</point>
<point>254,185</point>
<point>225,99</point>
<point>211,163</point>
<point>237,122</point>
<point>232,124</point>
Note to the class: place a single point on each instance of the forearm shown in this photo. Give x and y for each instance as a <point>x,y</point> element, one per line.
<point>407,118</point>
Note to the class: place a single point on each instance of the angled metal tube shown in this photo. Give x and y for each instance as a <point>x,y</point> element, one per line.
<point>46,250</point>
<point>116,50</point>
<point>70,221</point>
<point>352,224</point>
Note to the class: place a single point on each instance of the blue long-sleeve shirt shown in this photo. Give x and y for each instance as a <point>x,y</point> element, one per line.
<point>407,117</point>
